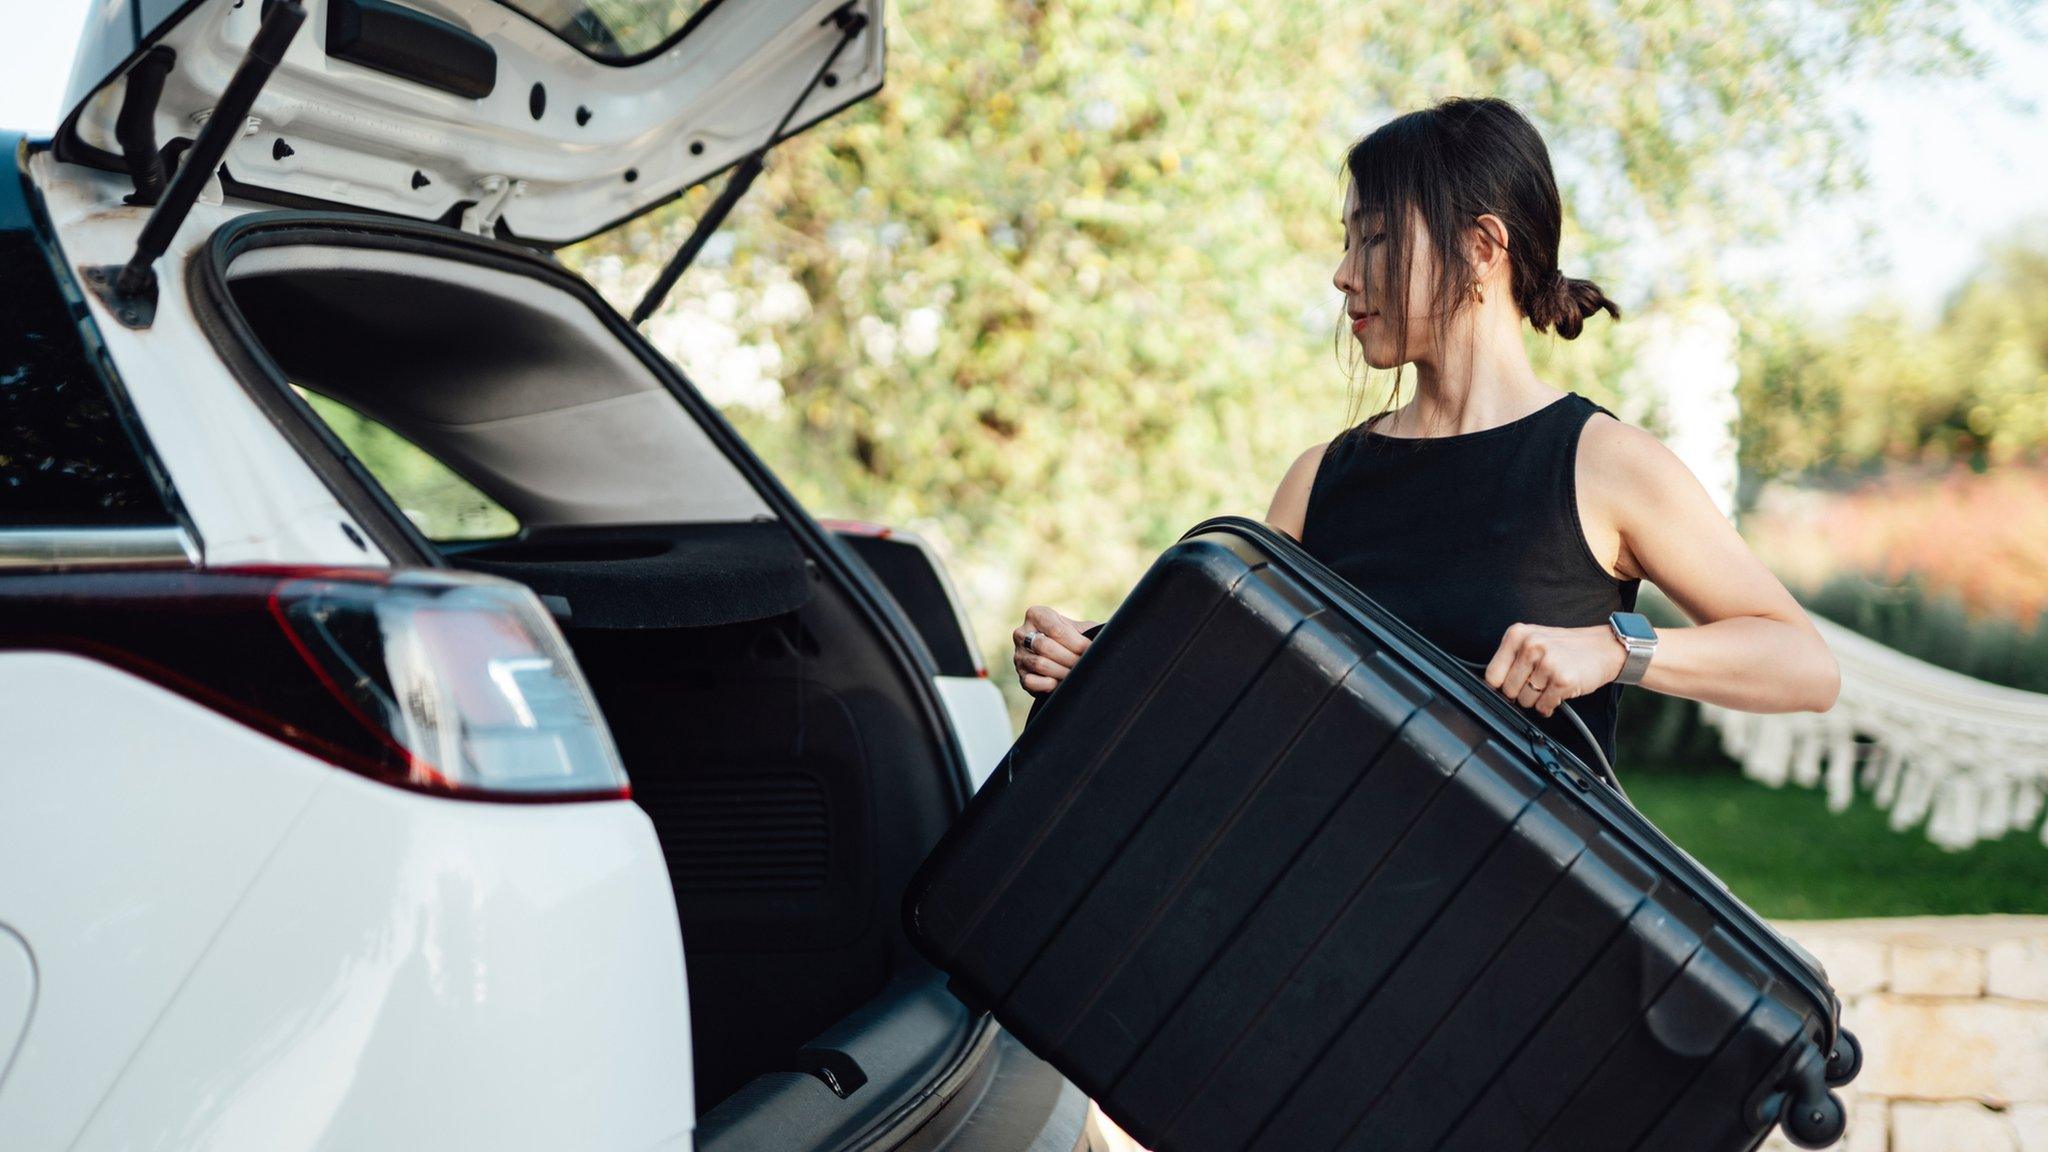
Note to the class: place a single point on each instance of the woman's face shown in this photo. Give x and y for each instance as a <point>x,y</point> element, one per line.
<point>1365,262</point>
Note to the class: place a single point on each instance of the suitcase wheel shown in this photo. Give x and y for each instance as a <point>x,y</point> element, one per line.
<point>1811,1116</point>
<point>1814,1122</point>
<point>1846,1060</point>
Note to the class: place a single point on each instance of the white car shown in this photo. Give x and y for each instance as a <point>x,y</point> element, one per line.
<point>427,723</point>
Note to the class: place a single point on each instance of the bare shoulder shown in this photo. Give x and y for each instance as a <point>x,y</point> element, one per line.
<point>1305,465</point>
<point>1618,457</point>
<point>1631,488</point>
<point>1289,510</point>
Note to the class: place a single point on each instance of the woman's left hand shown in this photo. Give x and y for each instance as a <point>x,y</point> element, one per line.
<point>1538,666</point>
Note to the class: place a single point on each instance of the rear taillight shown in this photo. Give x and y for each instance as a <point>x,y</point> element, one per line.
<point>449,683</point>
<point>857,528</point>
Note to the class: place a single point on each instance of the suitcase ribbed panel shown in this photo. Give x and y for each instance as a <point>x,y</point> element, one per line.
<point>956,899</point>
<point>1253,881</point>
<point>1239,759</point>
<point>1395,923</point>
<point>1183,897</point>
<point>1385,1032</point>
<point>1711,1111</point>
<point>1521,988</point>
<point>1268,938</point>
<point>1656,1058</point>
<point>1162,749</point>
<point>1630,975</point>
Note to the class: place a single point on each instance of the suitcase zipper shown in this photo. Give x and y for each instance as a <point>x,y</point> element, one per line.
<point>1623,817</point>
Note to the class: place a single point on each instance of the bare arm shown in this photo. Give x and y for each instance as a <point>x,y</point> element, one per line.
<point>1752,647</point>
<point>1290,502</point>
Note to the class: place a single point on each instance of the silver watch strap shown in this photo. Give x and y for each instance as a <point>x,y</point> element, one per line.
<point>1636,663</point>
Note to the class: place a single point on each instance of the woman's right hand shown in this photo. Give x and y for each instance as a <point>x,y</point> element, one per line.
<point>1043,659</point>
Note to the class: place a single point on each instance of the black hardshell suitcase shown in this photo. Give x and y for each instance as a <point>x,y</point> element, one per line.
<point>1273,872</point>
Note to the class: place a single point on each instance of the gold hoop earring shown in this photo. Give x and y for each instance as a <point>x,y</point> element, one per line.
<point>1477,294</point>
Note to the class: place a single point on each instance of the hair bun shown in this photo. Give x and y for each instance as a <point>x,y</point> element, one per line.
<point>1570,302</point>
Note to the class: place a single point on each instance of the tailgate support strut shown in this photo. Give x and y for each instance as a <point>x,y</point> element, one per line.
<point>130,290</point>
<point>850,24</point>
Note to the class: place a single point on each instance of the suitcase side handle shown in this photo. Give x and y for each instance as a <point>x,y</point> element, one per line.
<point>1604,769</point>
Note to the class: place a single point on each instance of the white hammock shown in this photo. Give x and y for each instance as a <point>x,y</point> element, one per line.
<point>1970,756</point>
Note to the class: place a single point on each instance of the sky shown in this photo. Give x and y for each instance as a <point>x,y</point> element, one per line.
<point>1952,164</point>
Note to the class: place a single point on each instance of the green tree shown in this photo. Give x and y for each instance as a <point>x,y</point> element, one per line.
<point>1995,335</point>
<point>1061,290</point>
<point>1970,388</point>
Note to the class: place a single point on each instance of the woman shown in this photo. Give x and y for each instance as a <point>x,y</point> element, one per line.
<point>1509,522</point>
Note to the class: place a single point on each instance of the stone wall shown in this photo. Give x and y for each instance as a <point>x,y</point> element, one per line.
<point>1952,1013</point>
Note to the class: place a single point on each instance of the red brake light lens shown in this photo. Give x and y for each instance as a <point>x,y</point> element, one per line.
<point>466,675</point>
<point>445,682</point>
<point>857,527</point>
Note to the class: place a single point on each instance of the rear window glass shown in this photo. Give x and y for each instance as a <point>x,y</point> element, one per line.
<point>441,504</point>
<point>67,458</point>
<point>615,31</point>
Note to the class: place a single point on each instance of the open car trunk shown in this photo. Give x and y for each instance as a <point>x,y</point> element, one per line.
<point>778,731</point>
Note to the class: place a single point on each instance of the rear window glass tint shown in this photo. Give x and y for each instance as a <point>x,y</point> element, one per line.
<point>67,458</point>
<point>614,30</point>
<point>441,504</point>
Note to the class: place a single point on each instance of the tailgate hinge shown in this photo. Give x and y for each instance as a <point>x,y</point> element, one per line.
<point>481,218</point>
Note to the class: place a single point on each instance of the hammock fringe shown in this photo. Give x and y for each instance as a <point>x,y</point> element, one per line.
<point>1967,757</point>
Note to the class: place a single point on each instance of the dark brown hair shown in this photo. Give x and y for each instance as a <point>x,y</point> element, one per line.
<point>1452,163</point>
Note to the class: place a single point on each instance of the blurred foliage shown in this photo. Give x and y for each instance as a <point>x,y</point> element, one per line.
<point>1971,389</point>
<point>441,504</point>
<point>1935,627</point>
<point>1061,289</point>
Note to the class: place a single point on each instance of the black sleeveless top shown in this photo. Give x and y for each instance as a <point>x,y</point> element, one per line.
<point>1462,536</point>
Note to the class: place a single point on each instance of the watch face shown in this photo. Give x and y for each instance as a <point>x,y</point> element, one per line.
<point>1634,625</point>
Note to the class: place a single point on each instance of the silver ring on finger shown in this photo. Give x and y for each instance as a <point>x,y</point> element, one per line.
<point>1031,638</point>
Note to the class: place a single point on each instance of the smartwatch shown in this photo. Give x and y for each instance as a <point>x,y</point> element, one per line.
<point>1634,631</point>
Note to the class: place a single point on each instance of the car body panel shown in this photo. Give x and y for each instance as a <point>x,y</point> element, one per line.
<point>413,971</point>
<point>256,949</point>
<point>251,496</point>
<point>907,565</point>
<point>982,718</point>
<point>17,995</point>
<point>134,821</point>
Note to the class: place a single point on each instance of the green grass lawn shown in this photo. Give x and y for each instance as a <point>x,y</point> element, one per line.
<point>1785,855</point>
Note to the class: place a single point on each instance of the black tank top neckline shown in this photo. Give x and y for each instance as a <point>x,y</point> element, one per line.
<point>1462,544</point>
<point>1463,437</point>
